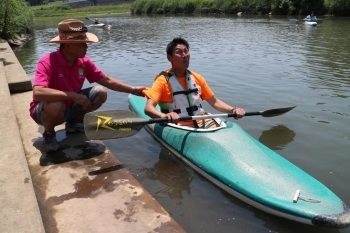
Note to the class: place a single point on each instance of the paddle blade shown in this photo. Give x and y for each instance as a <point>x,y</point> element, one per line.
<point>112,124</point>
<point>276,112</point>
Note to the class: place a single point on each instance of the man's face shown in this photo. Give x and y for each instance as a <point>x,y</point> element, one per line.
<point>77,50</point>
<point>180,59</point>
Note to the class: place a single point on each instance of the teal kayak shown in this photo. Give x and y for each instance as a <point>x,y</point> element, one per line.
<point>98,25</point>
<point>242,166</point>
<point>312,23</point>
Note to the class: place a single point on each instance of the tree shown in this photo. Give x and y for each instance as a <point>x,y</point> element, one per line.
<point>15,18</point>
<point>341,7</point>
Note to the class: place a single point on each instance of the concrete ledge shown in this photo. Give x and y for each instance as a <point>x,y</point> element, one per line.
<point>18,203</point>
<point>17,78</point>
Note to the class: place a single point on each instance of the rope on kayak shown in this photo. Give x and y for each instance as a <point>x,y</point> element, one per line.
<point>309,199</point>
<point>298,197</point>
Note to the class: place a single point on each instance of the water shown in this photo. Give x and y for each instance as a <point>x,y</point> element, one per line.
<point>257,63</point>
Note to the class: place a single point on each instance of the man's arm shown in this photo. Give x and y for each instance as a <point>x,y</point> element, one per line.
<point>45,94</point>
<point>117,85</point>
<point>221,106</point>
<point>151,111</point>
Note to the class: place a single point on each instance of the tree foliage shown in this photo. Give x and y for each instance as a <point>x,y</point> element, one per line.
<point>339,7</point>
<point>283,7</point>
<point>15,18</point>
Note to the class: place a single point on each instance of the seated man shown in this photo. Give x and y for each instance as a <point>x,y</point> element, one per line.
<point>179,92</point>
<point>311,17</point>
<point>57,87</point>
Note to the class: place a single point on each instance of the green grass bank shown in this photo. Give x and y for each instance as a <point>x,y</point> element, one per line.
<point>64,9</point>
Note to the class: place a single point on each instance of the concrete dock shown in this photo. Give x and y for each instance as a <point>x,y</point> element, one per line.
<point>81,187</point>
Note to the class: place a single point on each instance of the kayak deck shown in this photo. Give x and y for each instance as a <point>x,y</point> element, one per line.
<point>311,23</point>
<point>100,25</point>
<point>242,166</point>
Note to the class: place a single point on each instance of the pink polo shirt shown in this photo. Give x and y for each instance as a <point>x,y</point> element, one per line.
<point>53,71</point>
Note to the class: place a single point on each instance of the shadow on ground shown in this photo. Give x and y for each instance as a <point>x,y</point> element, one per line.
<point>71,147</point>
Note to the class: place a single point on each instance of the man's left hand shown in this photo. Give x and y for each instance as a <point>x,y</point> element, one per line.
<point>138,91</point>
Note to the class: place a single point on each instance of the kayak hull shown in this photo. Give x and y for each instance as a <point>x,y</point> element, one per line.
<point>248,170</point>
<point>100,25</point>
<point>311,23</point>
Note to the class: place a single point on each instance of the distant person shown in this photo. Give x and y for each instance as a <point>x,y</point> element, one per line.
<point>311,17</point>
<point>179,92</point>
<point>58,96</point>
<point>96,21</point>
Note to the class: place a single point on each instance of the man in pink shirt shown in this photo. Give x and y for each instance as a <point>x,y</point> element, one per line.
<point>57,89</point>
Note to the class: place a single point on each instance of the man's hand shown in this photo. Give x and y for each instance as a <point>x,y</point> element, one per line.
<point>138,90</point>
<point>82,100</point>
<point>239,111</point>
<point>173,117</point>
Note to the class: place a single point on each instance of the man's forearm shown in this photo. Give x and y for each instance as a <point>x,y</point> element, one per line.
<point>52,95</point>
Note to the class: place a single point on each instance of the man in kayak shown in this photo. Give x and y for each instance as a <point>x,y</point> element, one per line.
<point>58,96</point>
<point>179,92</point>
<point>311,17</point>
<point>96,21</point>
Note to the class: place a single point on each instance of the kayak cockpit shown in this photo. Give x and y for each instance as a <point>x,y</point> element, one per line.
<point>205,125</point>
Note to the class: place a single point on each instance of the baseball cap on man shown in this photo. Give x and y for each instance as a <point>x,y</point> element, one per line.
<point>73,31</point>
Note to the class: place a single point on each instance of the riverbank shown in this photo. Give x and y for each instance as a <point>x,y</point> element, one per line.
<point>69,10</point>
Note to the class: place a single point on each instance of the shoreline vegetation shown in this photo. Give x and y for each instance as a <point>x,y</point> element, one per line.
<point>57,9</point>
<point>17,16</point>
<point>272,7</point>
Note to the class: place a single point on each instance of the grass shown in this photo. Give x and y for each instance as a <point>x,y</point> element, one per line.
<point>64,9</point>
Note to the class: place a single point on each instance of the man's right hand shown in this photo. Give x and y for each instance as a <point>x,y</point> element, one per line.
<point>173,117</point>
<point>82,100</point>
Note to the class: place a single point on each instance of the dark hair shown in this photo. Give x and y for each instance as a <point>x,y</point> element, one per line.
<point>174,42</point>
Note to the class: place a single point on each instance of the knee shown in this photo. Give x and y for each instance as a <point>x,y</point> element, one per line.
<point>102,95</point>
<point>54,108</point>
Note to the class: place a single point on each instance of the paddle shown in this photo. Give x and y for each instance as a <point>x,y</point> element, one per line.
<point>121,123</point>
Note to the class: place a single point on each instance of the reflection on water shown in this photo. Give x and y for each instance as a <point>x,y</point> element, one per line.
<point>172,173</point>
<point>174,177</point>
<point>277,138</point>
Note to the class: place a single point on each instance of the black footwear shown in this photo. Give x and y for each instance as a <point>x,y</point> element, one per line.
<point>50,142</point>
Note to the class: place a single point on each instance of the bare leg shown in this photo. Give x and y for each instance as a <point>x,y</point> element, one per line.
<point>52,115</point>
<point>100,99</point>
